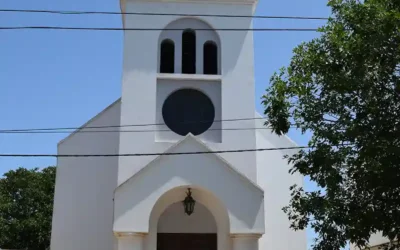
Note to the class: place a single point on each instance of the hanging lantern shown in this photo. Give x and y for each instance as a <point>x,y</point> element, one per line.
<point>188,203</point>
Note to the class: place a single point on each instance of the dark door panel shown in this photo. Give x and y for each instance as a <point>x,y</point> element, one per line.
<point>183,241</point>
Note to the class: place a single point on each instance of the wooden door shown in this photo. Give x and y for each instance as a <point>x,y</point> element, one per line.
<point>183,241</point>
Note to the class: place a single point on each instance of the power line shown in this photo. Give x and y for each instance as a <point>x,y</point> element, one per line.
<point>124,131</point>
<point>131,125</point>
<point>154,154</point>
<point>147,29</point>
<point>73,12</point>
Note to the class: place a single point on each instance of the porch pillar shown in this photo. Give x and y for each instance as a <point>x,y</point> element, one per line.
<point>245,241</point>
<point>130,241</point>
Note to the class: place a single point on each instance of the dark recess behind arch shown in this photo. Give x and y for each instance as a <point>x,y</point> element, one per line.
<point>167,56</point>
<point>189,52</point>
<point>210,58</point>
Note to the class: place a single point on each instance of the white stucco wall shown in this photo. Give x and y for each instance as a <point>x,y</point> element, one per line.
<point>375,240</point>
<point>140,80</point>
<point>83,204</point>
<point>84,212</point>
<point>273,177</point>
<point>84,189</point>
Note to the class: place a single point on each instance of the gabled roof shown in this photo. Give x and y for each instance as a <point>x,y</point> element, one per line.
<point>89,121</point>
<point>282,141</point>
<point>259,123</point>
<point>191,138</point>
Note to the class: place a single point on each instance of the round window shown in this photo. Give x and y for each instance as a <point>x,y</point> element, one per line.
<point>188,111</point>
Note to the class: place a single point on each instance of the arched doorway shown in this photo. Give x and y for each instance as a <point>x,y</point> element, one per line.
<point>207,228</point>
<point>179,231</point>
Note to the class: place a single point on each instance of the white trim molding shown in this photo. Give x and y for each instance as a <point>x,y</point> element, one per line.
<point>245,2</point>
<point>238,2</point>
<point>129,234</point>
<point>175,76</point>
<point>246,236</point>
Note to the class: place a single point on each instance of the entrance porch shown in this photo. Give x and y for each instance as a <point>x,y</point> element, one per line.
<point>171,228</point>
<point>149,213</point>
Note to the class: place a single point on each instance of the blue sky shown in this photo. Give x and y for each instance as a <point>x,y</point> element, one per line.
<point>63,78</point>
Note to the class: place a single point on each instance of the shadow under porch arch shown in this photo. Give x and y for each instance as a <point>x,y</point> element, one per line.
<point>205,200</point>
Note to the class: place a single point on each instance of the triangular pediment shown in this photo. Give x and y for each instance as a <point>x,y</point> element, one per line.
<point>190,144</point>
<point>135,198</point>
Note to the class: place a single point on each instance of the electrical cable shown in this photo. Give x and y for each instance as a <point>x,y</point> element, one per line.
<point>131,125</point>
<point>154,154</point>
<point>52,130</point>
<point>148,29</point>
<point>125,131</point>
<point>73,12</point>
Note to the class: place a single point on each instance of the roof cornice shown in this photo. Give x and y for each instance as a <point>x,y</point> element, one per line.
<point>237,2</point>
<point>244,2</point>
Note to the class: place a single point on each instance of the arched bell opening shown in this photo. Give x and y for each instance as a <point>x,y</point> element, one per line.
<point>210,58</point>
<point>190,37</point>
<point>167,56</point>
<point>189,52</point>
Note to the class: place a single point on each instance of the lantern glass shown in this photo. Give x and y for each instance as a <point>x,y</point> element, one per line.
<point>189,203</point>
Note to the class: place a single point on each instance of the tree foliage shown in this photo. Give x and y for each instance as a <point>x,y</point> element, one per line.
<point>344,87</point>
<point>26,205</point>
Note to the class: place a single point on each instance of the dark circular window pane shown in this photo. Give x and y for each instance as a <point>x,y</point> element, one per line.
<point>188,111</point>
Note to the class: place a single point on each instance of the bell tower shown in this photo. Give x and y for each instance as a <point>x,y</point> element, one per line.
<point>188,74</point>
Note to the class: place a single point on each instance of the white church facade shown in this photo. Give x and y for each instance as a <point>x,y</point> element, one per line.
<point>191,85</point>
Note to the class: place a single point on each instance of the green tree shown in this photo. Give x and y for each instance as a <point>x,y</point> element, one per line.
<point>26,205</point>
<point>344,88</point>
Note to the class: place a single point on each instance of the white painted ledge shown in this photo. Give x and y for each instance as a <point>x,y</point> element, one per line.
<point>251,2</point>
<point>164,76</point>
<point>246,236</point>
<point>129,234</point>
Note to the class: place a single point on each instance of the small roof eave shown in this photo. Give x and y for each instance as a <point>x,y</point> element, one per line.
<point>263,132</point>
